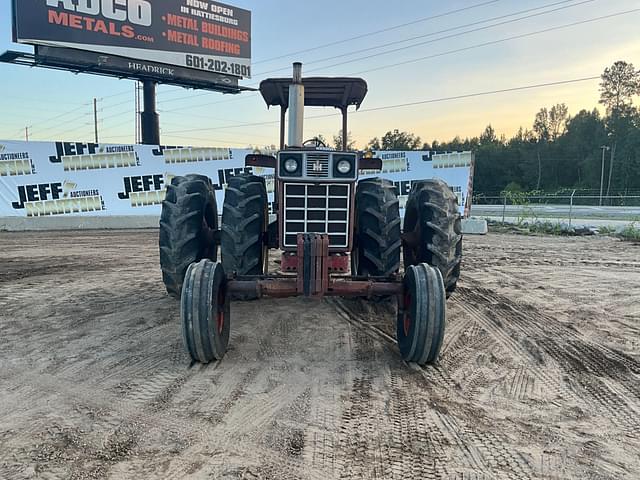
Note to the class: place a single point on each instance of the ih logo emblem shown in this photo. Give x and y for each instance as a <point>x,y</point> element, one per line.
<point>317,166</point>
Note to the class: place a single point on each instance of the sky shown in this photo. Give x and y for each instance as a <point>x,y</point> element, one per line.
<point>57,105</point>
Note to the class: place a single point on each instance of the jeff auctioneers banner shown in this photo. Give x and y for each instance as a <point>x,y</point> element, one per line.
<point>60,178</point>
<point>198,34</point>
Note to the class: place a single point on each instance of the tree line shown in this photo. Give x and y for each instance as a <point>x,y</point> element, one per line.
<point>560,152</point>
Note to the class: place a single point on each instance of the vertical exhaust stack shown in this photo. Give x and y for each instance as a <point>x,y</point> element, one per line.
<point>296,107</point>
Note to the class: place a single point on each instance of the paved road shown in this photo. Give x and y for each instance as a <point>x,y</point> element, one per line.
<point>558,212</point>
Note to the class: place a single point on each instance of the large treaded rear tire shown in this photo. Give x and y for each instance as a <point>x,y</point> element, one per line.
<point>433,220</point>
<point>377,241</point>
<point>188,212</point>
<point>244,225</point>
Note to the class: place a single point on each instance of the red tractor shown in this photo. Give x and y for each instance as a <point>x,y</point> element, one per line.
<point>338,236</point>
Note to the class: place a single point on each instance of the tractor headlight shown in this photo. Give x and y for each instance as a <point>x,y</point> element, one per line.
<point>344,167</point>
<point>291,165</point>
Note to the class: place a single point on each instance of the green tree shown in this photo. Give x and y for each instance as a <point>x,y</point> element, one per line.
<point>620,83</point>
<point>488,136</point>
<point>541,125</point>
<point>396,140</point>
<point>580,145</point>
<point>337,141</point>
<point>550,124</point>
<point>321,138</point>
<point>560,152</point>
<point>373,145</point>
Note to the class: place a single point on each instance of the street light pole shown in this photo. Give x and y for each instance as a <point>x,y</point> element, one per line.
<point>604,149</point>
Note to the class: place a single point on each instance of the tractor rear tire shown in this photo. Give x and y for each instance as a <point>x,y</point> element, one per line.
<point>244,225</point>
<point>205,312</point>
<point>433,221</point>
<point>189,213</point>
<point>377,241</point>
<point>421,315</point>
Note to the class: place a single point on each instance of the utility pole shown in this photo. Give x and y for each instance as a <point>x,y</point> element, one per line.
<point>604,149</point>
<point>95,117</point>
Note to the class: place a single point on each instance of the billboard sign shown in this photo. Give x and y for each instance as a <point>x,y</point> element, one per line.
<point>199,35</point>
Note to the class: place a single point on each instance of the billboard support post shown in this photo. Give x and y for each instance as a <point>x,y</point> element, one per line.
<point>150,118</point>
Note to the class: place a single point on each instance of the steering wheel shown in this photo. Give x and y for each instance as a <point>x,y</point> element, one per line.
<point>314,142</point>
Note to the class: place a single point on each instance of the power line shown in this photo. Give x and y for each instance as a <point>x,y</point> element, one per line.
<point>61,130</point>
<point>475,46</point>
<point>206,93</point>
<point>443,31</point>
<point>65,126</point>
<point>253,135</point>
<point>116,137</point>
<point>166,134</point>
<point>126,112</point>
<point>367,34</point>
<point>47,120</point>
<point>118,114</point>
<point>421,102</point>
<point>388,29</point>
<point>480,94</point>
<point>117,104</point>
<point>116,94</point>
<point>582,22</point>
<point>493,42</point>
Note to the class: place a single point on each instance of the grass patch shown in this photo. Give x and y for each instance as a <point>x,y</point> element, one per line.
<point>630,233</point>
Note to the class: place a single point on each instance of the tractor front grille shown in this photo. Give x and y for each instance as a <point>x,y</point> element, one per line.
<point>317,208</point>
<point>317,165</point>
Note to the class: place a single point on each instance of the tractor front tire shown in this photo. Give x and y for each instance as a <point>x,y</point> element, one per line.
<point>189,216</point>
<point>244,225</point>
<point>433,228</point>
<point>377,242</point>
<point>421,315</point>
<point>205,312</point>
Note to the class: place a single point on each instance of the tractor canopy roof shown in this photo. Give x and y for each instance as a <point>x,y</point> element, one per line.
<point>339,92</point>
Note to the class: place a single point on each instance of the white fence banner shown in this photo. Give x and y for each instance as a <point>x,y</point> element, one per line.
<point>62,178</point>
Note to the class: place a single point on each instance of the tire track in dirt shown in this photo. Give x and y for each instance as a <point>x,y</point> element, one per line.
<point>522,384</point>
<point>416,449</point>
<point>484,452</point>
<point>404,443</point>
<point>606,358</point>
<point>151,395</point>
<point>117,424</point>
<point>583,361</point>
<point>469,344</point>
<point>522,353</point>
<point>123,422</point>
<point>96,389</point>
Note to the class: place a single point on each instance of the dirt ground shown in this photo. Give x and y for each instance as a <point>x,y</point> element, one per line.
<point>539,375</point>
